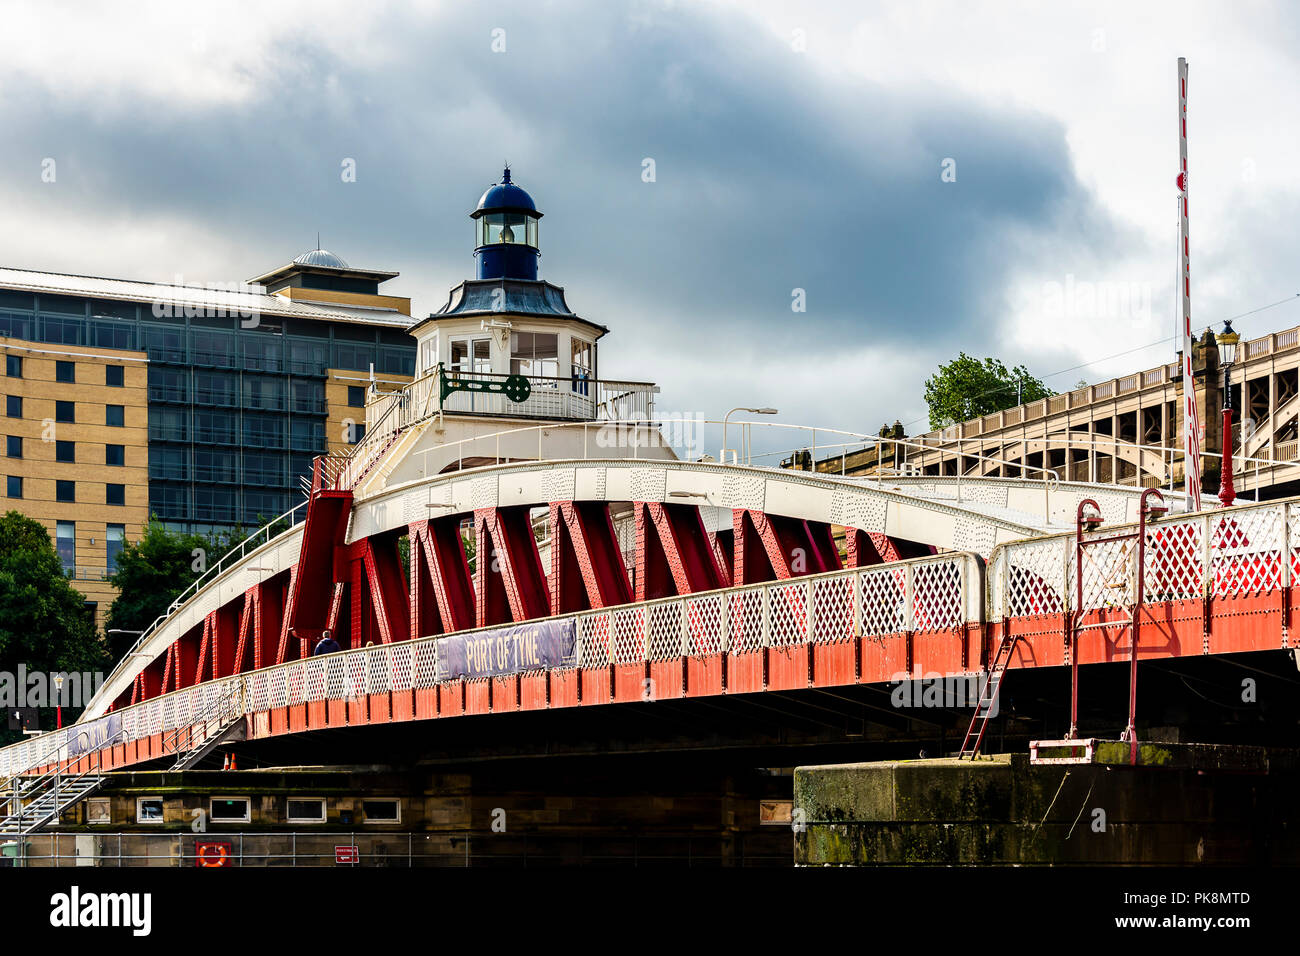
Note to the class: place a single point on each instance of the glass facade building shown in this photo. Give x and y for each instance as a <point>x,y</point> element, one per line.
<point>237,407</point>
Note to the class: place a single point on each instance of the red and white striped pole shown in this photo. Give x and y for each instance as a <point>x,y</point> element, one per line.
<point>1191,418</point>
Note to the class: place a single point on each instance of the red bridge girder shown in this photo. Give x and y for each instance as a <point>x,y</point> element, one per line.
<point>586,564</point>
<point>674,554</point>
<point>775,547</point>
<point>864,548</point>
<point>441,588</point>
<point>509,581</point>
<point>379,593</point>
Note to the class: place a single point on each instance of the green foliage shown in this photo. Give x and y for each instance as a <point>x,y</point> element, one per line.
<point>152,572</point>
<point>44,623</point>
<point>967,388</point>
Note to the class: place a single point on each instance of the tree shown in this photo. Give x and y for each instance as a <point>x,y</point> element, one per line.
<point>152,572</point>
<point>44,623</point>
<point>967,388</point>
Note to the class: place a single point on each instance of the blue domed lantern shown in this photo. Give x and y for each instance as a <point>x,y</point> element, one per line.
<point>505,225</point>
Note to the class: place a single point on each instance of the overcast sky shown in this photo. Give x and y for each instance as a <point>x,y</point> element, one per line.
<point>791,150</point>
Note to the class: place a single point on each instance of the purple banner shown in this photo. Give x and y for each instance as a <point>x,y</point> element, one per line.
<point>509,650</point>
<point>95,735</point>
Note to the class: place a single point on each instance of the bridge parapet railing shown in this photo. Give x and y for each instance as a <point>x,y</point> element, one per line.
<point>935,594</point>
<point>1224,553</point>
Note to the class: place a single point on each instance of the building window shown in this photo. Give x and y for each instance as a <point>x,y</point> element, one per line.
<point>115,494</point>
<point>356,396</point>
<point>14,486</point>
<point>115,541</point>
<point>65,411</point>
<point>305,810</point>
<point>115,454</point>
<point>230,810</point>
<point>114,375</point>
<point>148,810</point>
<point>99,810</point>
<point>65,542</point>
<point>534,354</point>
<point>14,366</point>
<point>65,451</point>
<point>355,432</point>
<point>114,416</point>
<point>382,811</point>
<point>65,490</point>
<point>65,371</point>
<point>14,446</point>
<point>14,406</point>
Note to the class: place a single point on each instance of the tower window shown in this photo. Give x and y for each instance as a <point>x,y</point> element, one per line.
<point>114,416</point>
<point>14,406</point>
<point>535,354</point>
<point>65,411</point>
<point>65,371</point>
<point>65,451</point>
<point>65,490</point>
<point>14,366</point>
<point>14,446</point>
<point>114,375</point>
<point>115,494</point>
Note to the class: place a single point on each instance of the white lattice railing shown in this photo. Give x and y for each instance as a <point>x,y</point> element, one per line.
<point>924,594</point>
<point>1233,551</point>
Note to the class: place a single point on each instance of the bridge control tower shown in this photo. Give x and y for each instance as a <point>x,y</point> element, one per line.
<point>504,355</point>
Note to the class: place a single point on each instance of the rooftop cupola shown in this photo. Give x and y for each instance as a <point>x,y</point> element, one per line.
<point>505,230</point>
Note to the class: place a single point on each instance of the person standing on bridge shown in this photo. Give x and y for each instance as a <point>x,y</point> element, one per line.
<point>326,645</point>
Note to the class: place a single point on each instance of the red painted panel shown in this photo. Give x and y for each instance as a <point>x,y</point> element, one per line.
<point>745,672</point>
<point>426,703</point>
<point>505,694</point>
<point>297,718</point>
<point>629,683</point>
<point>403,705</point>
<point>1042,641</point>
<point>595,685</point>
<point>883,658</point>
<point>451,699</point>
<point>478,696</point>
<point>380,708</point>
<point>532,691</point>
<point>704,675</point>
<point>317,714</point>
<point>937,652</point>
<point>787,667</point>
<point>833,664</point>
<point>666,679</point>
<point>279,720</point>
<point>564,688</point>
<point>1245,623</point>
<point>156,745</point>
<point>357,712</point>
<point>337,713</point>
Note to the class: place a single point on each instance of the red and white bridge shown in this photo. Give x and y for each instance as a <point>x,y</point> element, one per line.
<point>735,584</point>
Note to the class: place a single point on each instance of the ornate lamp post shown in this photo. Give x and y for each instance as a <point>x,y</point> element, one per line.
<point>1227,341</point>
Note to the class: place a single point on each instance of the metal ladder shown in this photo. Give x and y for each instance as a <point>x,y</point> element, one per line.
<point>970,746</point>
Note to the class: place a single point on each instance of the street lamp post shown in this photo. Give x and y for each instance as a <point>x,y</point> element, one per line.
<point>722,453</point>
<point>58,701</point>
<point>1227,342</point>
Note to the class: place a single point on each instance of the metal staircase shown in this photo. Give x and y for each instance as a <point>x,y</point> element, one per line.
<point>37,802</point>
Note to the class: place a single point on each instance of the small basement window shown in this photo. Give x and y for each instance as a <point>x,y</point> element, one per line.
<point>148,810</point>
<point>230,810</point>
<point>305,810</point>
<point>382,811</point>
<point>99,810</point>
